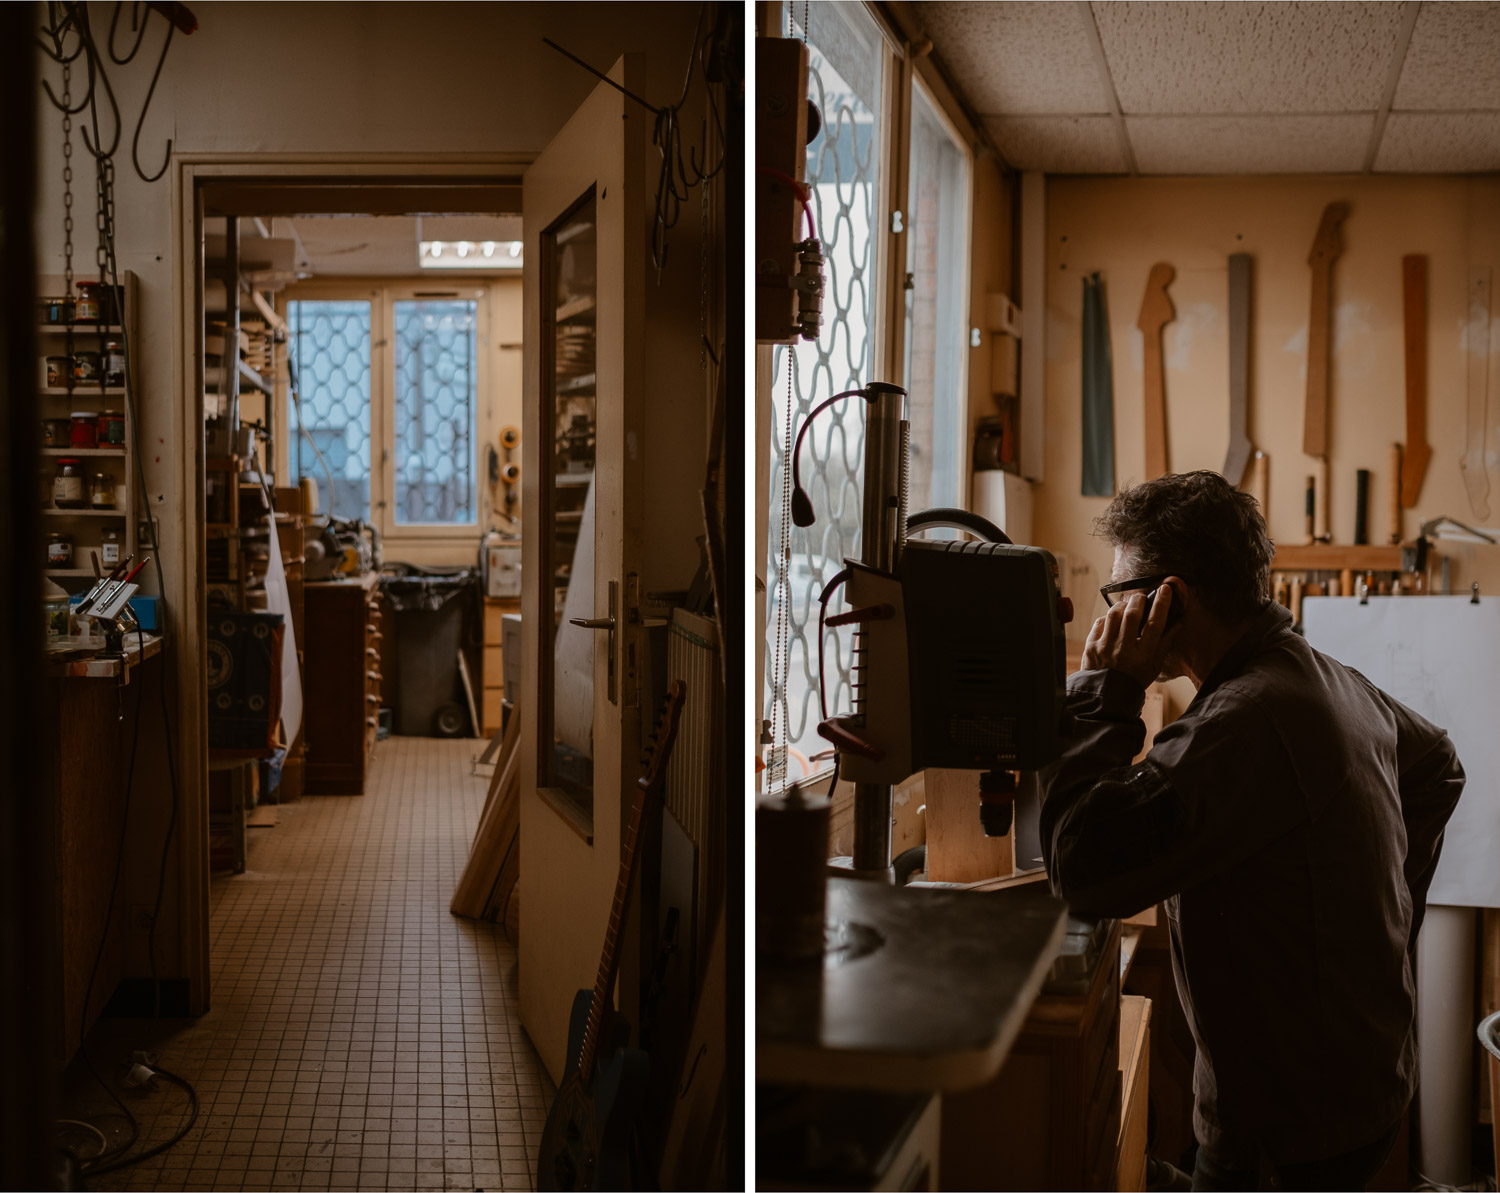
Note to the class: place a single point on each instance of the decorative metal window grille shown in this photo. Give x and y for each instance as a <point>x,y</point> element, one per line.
<point>436,400</point>
<point>843,173</point>
<point>332,342</point>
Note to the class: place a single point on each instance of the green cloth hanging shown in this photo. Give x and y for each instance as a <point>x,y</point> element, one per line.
<point>1098,394</point>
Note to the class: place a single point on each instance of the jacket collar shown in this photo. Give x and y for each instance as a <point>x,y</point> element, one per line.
<point>1271,622</point>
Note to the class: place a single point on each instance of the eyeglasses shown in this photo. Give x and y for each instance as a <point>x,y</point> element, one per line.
<point>1109,591</point>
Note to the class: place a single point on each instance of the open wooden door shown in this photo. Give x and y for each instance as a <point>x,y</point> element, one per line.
<point>586,234</point>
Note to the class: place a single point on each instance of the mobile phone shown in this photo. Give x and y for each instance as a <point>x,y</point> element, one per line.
<point>1174,613</point>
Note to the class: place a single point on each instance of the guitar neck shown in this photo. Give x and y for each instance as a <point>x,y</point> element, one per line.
<point>609,959</point>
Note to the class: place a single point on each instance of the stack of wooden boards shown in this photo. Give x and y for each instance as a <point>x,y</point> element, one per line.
<point>486,889</point>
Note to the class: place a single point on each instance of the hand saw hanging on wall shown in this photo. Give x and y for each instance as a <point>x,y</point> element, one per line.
<point>1156,312</point>
<point>1240,446</point>
<point>1327,245</point>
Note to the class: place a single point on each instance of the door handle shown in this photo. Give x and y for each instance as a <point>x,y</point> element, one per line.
<point>608,625</point>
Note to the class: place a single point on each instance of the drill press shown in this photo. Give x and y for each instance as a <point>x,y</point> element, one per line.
<point>959,645</point>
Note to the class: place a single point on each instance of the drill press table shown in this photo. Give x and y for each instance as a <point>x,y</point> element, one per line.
<point>920,990</point>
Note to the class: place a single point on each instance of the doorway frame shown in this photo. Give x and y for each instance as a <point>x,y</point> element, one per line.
<point>190,172</point>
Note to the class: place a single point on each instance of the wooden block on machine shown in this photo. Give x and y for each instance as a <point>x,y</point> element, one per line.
<point>957,849</point>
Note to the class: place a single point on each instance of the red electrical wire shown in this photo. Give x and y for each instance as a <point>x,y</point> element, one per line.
<point>800,190</point>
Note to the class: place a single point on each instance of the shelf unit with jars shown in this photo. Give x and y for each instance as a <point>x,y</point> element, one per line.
<point>76,377</point>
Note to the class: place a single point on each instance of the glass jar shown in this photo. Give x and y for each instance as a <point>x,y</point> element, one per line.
<point>59,550</point>
<point>111,429</point>
<point>56,432</point>
<point>57,310</point>
<point>86,367</point>
<point>109,549</point>
<point>102,491</point>
<point>57,372</point>
<point>86,308</point>
<point>112,363</point>
<point>85,429</point>
<point>68,492</point>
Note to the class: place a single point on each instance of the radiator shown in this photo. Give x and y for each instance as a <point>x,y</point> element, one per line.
<point>694,790</point>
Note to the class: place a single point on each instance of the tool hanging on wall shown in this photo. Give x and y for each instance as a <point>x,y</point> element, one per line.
<point>1240,446</point>
<point>1325,249</point>
<point>1156,312</point>
<point>1395,494</point>
<point>1415,451</point>
<point>510,471</point>
<point>1098,394</point>
<point>1362,506</point>
<point>1476,424</point>
<point>1258,482</point>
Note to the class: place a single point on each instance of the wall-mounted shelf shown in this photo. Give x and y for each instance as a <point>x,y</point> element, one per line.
<point>576,309</point>
<point>573,385</point>
<point>1332,557</point>
<point>117,453</point>
<point>85,329</point>
<point>82,393</point>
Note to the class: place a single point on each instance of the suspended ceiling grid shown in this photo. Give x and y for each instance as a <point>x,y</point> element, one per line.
<point>1127,86</point>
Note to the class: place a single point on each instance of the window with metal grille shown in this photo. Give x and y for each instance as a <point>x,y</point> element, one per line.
<point>331,353</point>
<point>436,397</point>
<point>847,66</point>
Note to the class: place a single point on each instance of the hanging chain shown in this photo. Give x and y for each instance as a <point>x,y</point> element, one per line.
<point>67,103</point>
<point>805,15</point>
<point>781,664</point>
<point>103,218</point>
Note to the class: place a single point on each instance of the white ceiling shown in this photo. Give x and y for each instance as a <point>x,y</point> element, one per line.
<point>1128,86</point>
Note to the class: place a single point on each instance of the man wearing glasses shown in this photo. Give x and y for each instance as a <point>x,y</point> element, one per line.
<point>1290,820</point>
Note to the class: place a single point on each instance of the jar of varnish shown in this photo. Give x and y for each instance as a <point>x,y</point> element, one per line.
<point>59,551</point>
<point>68,491</point>
<point>109,548</point>
<point>102,491</point>
<point>85,429</point>
<point>111,429</point>
<point>86,309</point>
<point>57,372</point>
<point>112,363</point>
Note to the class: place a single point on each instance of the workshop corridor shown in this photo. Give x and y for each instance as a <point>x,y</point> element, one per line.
<point>361,1037</point>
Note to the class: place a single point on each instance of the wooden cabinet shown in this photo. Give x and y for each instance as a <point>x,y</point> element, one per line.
<point>1051,1118</point>
<point>341,682</point>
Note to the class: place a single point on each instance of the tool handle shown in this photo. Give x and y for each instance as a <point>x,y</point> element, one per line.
<point>1395,493</point>
<point>1362,506</point>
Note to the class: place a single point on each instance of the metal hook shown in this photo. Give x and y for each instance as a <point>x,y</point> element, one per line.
<point>1364,591</point>
<point>135,20</point>
<point>1474,593</point>
<point>135,142</point>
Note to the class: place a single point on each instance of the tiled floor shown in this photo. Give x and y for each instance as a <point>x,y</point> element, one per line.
<point>361,1037</point>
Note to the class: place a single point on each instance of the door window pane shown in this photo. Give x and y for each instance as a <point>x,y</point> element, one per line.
<point>937,263</point>
<point>436,399</point>
<point>569,296</point>
<point>847,64</point>
<point>331,341</point>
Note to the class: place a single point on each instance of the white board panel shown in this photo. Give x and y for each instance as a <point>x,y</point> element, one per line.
<point>1440,656</point>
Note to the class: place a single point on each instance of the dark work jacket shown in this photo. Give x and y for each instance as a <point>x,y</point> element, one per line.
<point>1290,820</point>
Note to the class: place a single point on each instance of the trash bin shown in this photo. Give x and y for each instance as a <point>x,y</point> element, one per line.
<point>434,609</point>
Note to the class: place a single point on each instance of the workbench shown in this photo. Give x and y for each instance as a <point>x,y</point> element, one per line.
<point>923,989</point>
<point>136,651</point>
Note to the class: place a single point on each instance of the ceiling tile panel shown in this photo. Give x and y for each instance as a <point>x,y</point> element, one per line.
<point>1016,58</point>
<point>1249,144</point>
<point>1059,144</point>
<point>1453,60</point>
<point>1430,144</point>
<point>1248,57</point>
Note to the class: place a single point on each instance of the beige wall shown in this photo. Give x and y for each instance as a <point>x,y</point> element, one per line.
<point>1120,227</point>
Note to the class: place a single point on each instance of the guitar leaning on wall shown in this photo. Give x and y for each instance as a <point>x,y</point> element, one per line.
<point>586,1142</point>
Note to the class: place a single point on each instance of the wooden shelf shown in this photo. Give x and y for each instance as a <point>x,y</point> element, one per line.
<point>117,453</point>
<point>83,393</point>
<point>89,572</point>
<point>585,381</point>
<point>88,329</point>
<point>90,513</point>
<point>1332,557</point>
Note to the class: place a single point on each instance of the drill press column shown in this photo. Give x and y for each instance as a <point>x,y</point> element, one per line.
<point>883,529</point>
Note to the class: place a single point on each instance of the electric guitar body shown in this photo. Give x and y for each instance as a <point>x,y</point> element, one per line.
<point>586,1143</point>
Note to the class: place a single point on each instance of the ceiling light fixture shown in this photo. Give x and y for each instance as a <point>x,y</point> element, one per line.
<point>515,248</point>
<point>489,248</point>
<point>470,254</point>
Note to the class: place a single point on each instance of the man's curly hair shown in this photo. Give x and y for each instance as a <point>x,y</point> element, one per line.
<point>1198,526</point>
